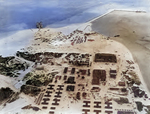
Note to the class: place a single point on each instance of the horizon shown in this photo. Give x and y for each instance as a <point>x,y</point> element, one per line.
<point>57,13</point>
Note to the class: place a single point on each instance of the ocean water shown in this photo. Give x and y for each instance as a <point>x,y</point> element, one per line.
<point>18,16</point>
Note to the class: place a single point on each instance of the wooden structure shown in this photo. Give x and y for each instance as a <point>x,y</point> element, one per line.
<point>98,75</point>
<point>65,70</point>
<point>113,74</point>
<point>104,57</point>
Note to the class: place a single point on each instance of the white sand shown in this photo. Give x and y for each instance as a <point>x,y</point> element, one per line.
<point>133,29</point>
<point>99,45</point>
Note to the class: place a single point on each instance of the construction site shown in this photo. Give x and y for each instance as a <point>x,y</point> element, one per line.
<point>80,76</point>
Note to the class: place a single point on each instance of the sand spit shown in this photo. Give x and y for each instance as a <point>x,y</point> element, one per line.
<point>76,87</point>
<point>96,43</point>
<point>133,30</point>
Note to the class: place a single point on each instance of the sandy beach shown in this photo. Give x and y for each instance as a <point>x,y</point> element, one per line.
<point>50,40</point>
<point>133,30</point>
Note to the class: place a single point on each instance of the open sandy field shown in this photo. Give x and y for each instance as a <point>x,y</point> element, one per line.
<point>53,96</point>
<point>133,28</point>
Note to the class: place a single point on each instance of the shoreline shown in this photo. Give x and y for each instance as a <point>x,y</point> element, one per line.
<point>110,11</point>
<point>137,59</point>
<point>124,24</point>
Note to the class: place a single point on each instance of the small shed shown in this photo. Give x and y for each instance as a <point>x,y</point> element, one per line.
<point>113,74</point>
<point>66,69</point>
<point>121,83</point>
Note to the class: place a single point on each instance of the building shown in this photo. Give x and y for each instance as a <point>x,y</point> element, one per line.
<point>72,70</point>
<point>104,57</point>
<point>83,72</point>
<point>65,70</point>
<point>125,112</point>
<point>98,75</point>
<point>113,74</point>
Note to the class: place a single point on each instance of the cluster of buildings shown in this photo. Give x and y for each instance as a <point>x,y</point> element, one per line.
<point>77,37</point>
<point>78,59</point>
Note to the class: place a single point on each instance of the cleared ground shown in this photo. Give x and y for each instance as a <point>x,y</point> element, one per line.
<point>133,28</point>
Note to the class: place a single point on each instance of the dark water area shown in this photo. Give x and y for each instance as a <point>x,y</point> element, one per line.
<point>19,15</point>
<point>22,17</point>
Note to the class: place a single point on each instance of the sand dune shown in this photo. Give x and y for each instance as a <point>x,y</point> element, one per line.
<point>133,28</point>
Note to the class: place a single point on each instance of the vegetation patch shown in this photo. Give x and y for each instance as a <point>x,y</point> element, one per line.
<point>39,78</point>
<point>122,100</point>
<point>139,106</point>
<point>30,90</point>
<point>9,66</point>
<point>7,95</point>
